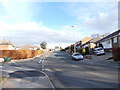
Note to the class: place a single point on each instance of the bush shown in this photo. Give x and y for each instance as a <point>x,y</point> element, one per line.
<point>79,50</point>
<point>116,53</point>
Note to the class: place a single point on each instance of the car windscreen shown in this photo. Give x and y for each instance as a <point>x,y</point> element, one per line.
<point>76,54</point>
<point>99,49</point>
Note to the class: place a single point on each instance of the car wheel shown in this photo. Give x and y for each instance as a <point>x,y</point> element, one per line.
<point>73,58</point>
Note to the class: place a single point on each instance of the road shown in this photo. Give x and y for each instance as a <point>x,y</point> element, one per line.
<point>67,73</point>
<point>62,71</point>
<point>25,74</point>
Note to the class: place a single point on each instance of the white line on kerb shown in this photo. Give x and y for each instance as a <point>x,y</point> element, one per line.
<point>42,70</point>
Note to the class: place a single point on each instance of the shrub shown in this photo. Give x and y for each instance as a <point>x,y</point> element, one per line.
<point>116,53</point>
<point>20,54</point>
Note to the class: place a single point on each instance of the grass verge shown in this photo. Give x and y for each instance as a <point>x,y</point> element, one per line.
<point>2,78</point>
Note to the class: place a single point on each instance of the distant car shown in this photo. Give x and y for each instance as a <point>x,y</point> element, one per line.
<point>77,56</point>
<point>99,51</point>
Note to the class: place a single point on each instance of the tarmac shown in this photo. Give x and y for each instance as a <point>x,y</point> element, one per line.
<point>19,77</point>
<point>41,81</point>
<point>24,77</point>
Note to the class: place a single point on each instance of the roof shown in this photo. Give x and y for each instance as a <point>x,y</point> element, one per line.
<point>86,39</point>
<point>92,41</point>
<point>27,46</point>
<point>3,42</point>
<point>95,40</point>
<point>110,35</point>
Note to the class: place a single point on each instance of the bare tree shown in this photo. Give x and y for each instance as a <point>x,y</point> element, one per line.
<point>99,36</point>
<point>95,35</point>
<point>104,35</point>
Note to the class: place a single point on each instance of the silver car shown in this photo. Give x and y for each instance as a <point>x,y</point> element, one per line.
<point>77,56</point>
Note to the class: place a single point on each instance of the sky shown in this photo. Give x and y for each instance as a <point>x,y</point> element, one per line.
<point>31,22</point>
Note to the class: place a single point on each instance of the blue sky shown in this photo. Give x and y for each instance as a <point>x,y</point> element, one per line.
<point>54,16</point>
<point>34,22</point>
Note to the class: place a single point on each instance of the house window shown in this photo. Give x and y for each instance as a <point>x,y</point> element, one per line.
<point>115,40</point>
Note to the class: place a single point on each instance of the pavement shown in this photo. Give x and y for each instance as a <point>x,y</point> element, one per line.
<point>25,74</point>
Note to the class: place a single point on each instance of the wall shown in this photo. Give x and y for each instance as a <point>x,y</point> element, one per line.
<point>92,45</point>
<point>10,47</point>
<point>107,44</point>
<point>6,47</point>
<point>3,47</point>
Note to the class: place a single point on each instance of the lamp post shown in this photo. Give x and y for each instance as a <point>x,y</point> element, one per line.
<point>74,38</point>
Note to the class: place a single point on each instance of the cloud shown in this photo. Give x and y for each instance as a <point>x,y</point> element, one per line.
<point>35,33</point>
<point>94,17</point>
<point>16,22</point>
<point>16,11</point>
<point>103,23</point>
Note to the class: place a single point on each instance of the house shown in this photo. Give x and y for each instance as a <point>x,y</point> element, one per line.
<point>109,41</point>
<point>17,48</point>
<point>90,45</point>
<point>78,44</point>
<point>4,45</point>
<point>30,47</point>
<point>27,46</point>
<point>83,41</point>
<point>36,47</point>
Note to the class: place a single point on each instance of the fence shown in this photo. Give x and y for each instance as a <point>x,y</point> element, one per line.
<point>20,54</point>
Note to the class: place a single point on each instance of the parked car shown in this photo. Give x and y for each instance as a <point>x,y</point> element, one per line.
<point>99,51</point>
<point>77,56</point>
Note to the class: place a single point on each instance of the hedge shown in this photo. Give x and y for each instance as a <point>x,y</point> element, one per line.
<point>20,54</point>
<point>116,53</point>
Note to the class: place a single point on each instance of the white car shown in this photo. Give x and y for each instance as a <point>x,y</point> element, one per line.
<point>77,56</point>
<point>99,51</point>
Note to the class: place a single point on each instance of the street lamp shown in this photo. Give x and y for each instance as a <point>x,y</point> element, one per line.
<point>74,38</point>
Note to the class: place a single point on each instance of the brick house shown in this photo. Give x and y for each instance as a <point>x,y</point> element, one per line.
<point>109,41</point>
<point>4,45</point>
<point>83,41</point>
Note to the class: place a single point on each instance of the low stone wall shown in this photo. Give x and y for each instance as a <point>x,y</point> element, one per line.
<point>20,54</point>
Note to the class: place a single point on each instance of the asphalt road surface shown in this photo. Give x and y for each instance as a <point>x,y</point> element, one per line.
<point>63,72</point>
<point>25,74</point>
<point>67,73</point>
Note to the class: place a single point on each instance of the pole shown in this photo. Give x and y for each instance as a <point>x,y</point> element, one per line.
<point>74,38</point>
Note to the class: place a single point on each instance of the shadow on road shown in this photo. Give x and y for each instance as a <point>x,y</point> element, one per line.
<point>27,73</point>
